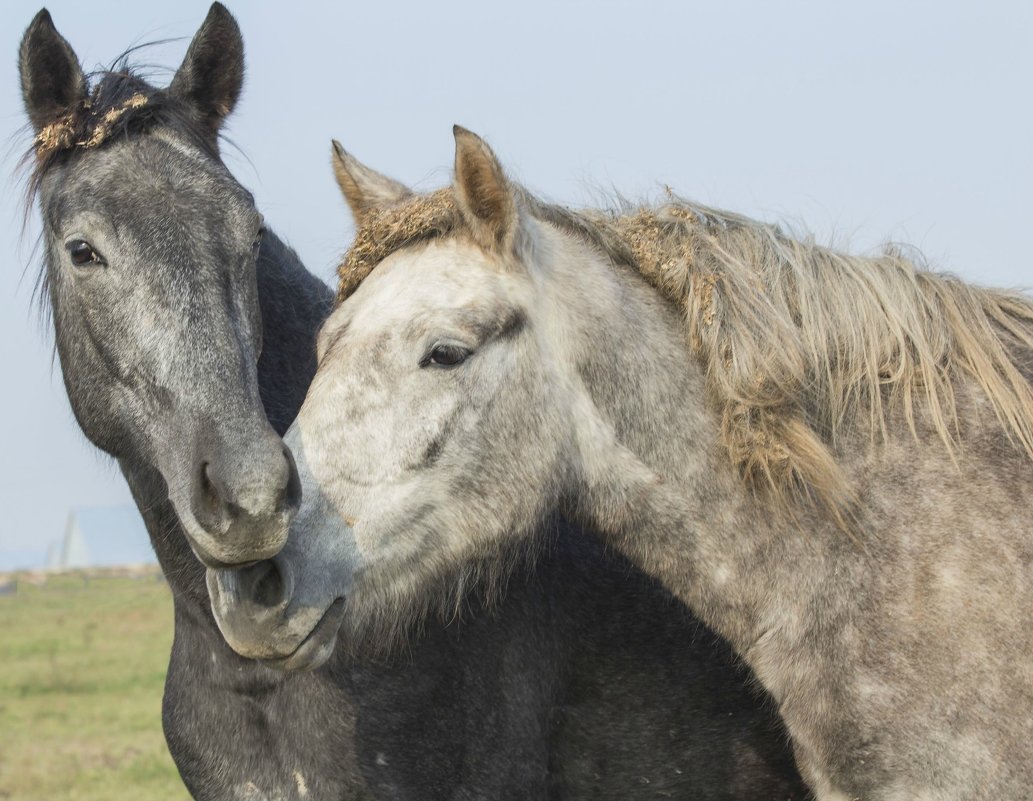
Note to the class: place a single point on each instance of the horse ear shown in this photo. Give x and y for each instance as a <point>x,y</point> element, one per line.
<point>364,189</point>
<point>212,73</point>
<point>484,194</point>
<point>52,80</point>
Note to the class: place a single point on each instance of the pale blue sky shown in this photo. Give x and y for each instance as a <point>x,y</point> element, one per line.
<point>909,121</point>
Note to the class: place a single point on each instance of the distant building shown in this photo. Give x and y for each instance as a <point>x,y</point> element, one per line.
<point>53,556</point>
<point>102,537</point>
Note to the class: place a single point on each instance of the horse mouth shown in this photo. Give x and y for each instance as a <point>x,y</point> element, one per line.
<point>212,563</point>
<point>318,644</point>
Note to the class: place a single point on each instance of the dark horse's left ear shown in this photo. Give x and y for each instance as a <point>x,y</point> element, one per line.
<point>52,80</point>
<point>210,78</point>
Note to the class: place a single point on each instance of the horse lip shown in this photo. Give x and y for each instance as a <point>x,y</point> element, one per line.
<point>196,537</point>
<point>317,646</point>
<point>213,563</point>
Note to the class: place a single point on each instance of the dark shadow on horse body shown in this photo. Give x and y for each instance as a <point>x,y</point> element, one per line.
<point>578,684</point>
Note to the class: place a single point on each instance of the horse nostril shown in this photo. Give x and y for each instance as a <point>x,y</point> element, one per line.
<point>291,498</point>
<point>268,589</point>
<point>208,490</point>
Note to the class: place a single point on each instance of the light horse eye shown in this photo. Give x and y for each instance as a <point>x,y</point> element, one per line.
<point>83,254</point>
<point>447,355</point>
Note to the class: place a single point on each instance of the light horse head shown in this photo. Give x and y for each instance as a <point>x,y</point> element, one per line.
<point>447,416</point>
<point>494,360</point>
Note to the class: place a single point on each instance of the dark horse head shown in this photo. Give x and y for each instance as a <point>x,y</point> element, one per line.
<point>150,251</point>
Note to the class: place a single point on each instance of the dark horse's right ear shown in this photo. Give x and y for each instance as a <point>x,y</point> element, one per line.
<point>52,80</point>
<point>209,80</point>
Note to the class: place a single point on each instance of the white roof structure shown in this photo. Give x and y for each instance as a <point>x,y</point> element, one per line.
<point>102,537</point>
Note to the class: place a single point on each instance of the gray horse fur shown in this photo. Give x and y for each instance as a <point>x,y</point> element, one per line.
<point>826,457</point>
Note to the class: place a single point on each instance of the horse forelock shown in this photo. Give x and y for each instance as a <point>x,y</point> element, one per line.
<point>798,341</point>
<point>385,230</point>
<point>119,103</point>
<point>414,220</point>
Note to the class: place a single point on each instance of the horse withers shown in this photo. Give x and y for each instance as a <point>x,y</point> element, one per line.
<point>828,458</point>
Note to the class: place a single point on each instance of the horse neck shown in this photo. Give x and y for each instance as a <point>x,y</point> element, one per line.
<point>294,304</point>
<point>658,481</point>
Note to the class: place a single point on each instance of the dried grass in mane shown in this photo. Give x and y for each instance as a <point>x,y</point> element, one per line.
<point>798,341</point>
<point>386,230</point>
<point>119,103</point>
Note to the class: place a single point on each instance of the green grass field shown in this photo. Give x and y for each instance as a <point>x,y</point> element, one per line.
<point>82,664</point>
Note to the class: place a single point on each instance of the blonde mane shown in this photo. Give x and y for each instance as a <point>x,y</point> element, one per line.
<point>388,229</point>
<point>797,340</point>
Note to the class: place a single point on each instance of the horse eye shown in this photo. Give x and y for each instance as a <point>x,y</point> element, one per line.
<point>83,254</point>
<point>448,355</point>
<point>256,246</point>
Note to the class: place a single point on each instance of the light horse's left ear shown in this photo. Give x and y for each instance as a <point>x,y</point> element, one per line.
<point>485,196</point>
<point>364,189</point>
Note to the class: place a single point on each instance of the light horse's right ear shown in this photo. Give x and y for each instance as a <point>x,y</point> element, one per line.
<point>52,79</point>
<point>364,189</point>
<point>485,195</point>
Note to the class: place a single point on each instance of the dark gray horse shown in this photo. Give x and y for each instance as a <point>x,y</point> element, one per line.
<point>185,332</point>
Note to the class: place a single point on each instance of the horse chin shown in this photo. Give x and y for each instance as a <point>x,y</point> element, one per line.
<point>260,618</point>
<point>318,645</point>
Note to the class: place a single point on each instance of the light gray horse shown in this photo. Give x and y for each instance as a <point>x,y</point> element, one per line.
<point>828,458</point>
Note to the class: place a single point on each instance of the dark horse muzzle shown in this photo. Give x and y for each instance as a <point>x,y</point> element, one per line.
<point>239,491</point>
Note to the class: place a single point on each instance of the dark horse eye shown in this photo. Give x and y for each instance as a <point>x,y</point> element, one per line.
<point>448,355</point>
<point>256,246</point>
<point>83,254</point>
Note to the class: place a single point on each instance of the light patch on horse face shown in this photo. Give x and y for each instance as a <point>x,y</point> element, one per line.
<point>722,575</point>
<point>359,492</point>
<point>836,795</point>
<point>301,784</point>
<point>367,425</point>
<point>378,409</point>
<point>440,283</point>
<point>874,693</point>
<point>381,410</point>
<point>952,578</point>
<point>322,537</point>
